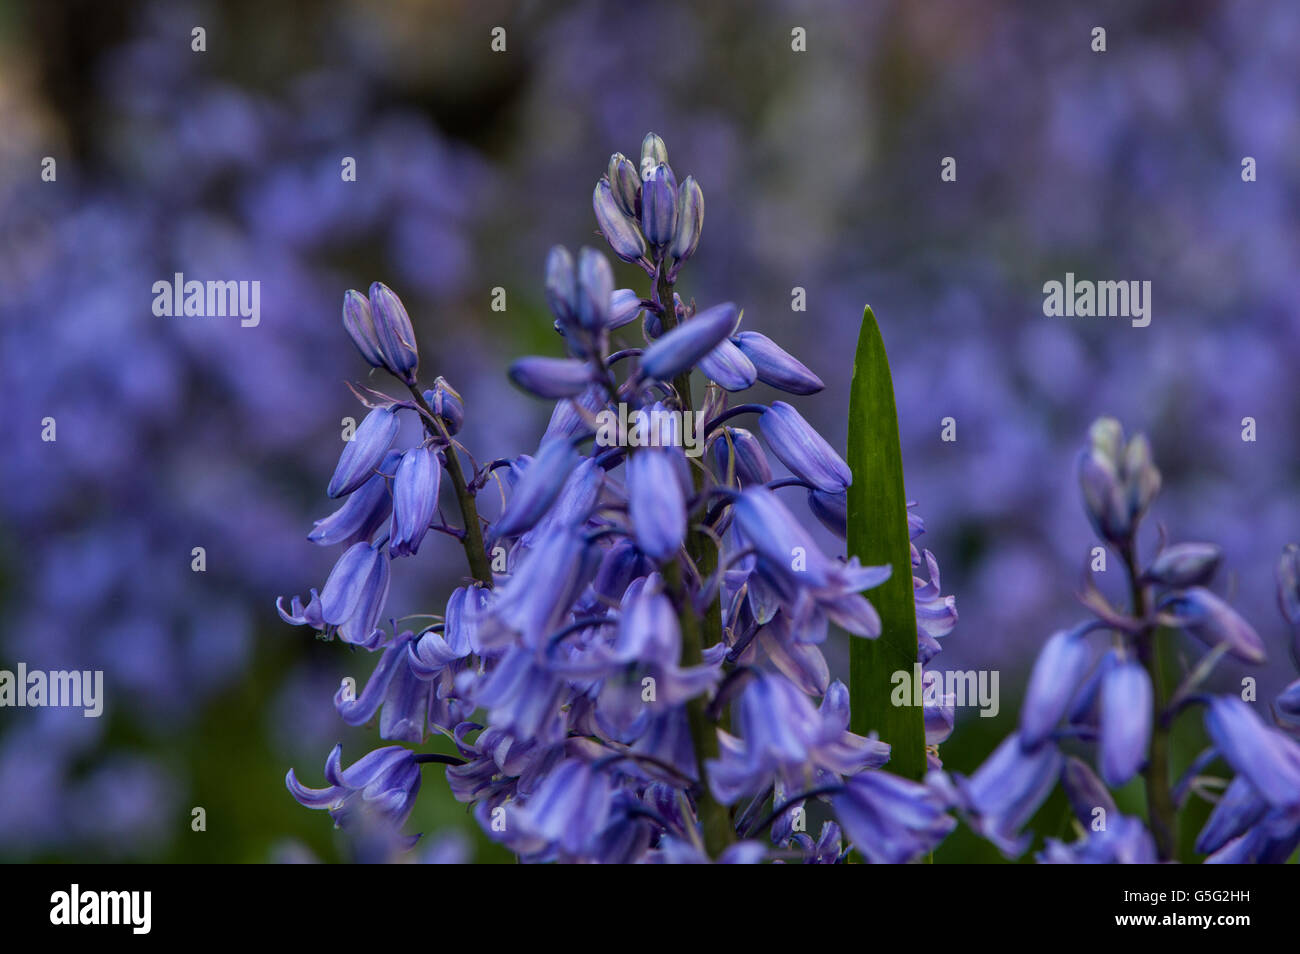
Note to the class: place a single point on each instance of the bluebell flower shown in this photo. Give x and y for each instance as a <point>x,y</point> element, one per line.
<point>775,366</point>
<point>551,377</point>
<point>1271,841</point>
<point>1185,564</point>
<point>656,503</point>
<point>619,229</point>
<point>1238,809</point>
<point>537,489</point>
<point>625,182</point>
<point>1214,622</point>
<point>364,452</point>
<point>415,499</point>
<point>690,220</point>
<point>360,326</point>
<point>570,807</point>
<point>562,285</point>
<point>891,820</point>
<point>803,450</point>
<point>1085,792</point>
<point>659,205</point>
<point>1125,721</point>
<point>1124,841</point>
<point>366,510</point>
<point>737,452</point>
<point>384,782</point>
<point>352,599</point>
<point>686,344</point>
<point>1003,794</point>
<point>595,289</point>
<point>727,365</point>
<point>395,687</point>
<point>394,332</point>
<point>1057,674</point>
<point>1286,707</point>
<point>1268,759</point>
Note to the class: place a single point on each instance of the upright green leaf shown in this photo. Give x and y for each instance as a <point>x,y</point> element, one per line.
<point>878,535</point>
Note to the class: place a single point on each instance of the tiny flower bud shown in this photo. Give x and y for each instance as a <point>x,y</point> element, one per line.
<point>686,344</point>
<point>561,285</point>
<point>551,377</point>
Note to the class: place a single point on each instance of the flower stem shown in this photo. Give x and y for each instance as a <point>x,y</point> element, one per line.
<point>698,631</point>
<point>475,551</point>
<point>1160,803</point>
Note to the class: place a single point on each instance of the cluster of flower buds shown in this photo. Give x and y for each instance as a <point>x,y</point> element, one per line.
<point>637,672</point>
<point>1107,699</point>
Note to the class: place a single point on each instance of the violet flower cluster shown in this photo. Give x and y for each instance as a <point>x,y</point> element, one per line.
<point>1116,703</point>
<point>633,669</point>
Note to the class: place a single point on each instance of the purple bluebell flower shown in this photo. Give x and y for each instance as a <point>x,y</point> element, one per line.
<point>832,510</point>
<point>686,344</point>
<point>659,205</point>
<point>690,220</point>
<point>365,511</point>
<point>620,230</point>
<point>569,808</point>
<point>351,600</point>
<point>1214,622</point>
<point>446,403</point>
<point>551,377</point>
<point>727,365</point>
<point>624,308</point>
<point>1271,841</point>
<point>737,451</point>
<point>561,285</point>
<point>1006,791</point>
<point>364,452</point>
<point>595,289</point>
<point>537,489</point>
<point>394,686</point>
<point>384,782</point>
<point>1286,707</point>
<point>1185,564</point>
<point>891,820</point>
<point>656,503</point>
<point>625,182</point>
<point>415,499</point>
<point>1124,841</point>
<point>1058,672</point>
<point>1085,792</point>
<point>394,332</point>
<point>1238,809</point>
<point>1267,758</point>
<point>1125,721</point>
<point>803,450</point>
<point>361,327</point>
<point>775,366</point>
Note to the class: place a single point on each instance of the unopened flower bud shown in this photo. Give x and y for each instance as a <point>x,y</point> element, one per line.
<point>561,285</point>
<point>690,219</point>
<point>394,332</point>
<point>361,327</point>
<point>620,231</point>
<point>659,206</point>
<point>624,182</point>
<point>1185,564</point>
<point>653,153</point>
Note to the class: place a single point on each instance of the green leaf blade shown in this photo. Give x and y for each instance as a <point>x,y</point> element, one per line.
<point>878,534</point>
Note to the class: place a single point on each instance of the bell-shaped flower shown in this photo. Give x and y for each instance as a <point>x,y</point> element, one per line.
<point>551,377</point>
<point>394,332</point>
<point>727,365</point>
<point>365,511</point>
<point>656,504</point>
<point>1124,841</point>
<point>619,229</point>
<point>1003,794</point>
<point>415,499</point>
<point>381,784</point>
<point>776,367</point>
<point>1125,721</point>
<point>803,450</point>
<point>1268,759</point>
<point>1060,669</point>
<point>891,820</point>
<point>690,220</point>
<point>537,488</point>
<point>364,452</point>
<point>1214,622</point>
<point>680,349</point>
<point>360,326</point>
<point>659,205</point>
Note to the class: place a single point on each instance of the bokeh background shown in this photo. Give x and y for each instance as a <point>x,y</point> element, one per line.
<point>821,171</point>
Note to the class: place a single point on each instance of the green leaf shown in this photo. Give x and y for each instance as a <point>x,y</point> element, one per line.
<point>877,535</point>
